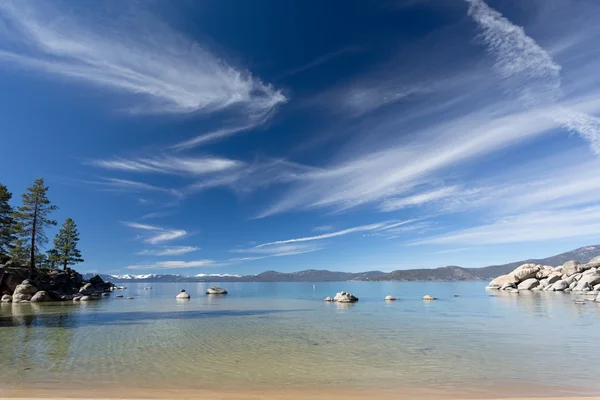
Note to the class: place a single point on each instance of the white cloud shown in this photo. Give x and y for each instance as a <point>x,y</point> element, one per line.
<point>156,234</point>
<point>362,228</point>
<point>281,250</point>
<point>323,228</point>
<point>128,50</point>
<point>169,165</point>
<point>213,136</point>
<point>528,227</point>
<point>169,251</point>
<point>176,264</point>
<point>125,185</point>
<point>529,69</point>
<point>418,199</point>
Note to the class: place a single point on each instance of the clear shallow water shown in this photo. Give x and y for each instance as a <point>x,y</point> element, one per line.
<point>282,335</point>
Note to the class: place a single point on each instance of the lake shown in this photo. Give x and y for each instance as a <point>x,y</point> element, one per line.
<point>284,336</point>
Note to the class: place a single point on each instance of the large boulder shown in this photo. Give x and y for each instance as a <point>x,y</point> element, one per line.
<point>525,271</point>
<point>588,280</point>
<point>559,286</point>
<point>508,286</point>
<point>503,279</point>
<point>182,295</point>
<point>344,297</point>
<point>594,262</point>
<point>216,290</point>
<point>528,284</point>
<point>40,296</point>
<point>87,289</point>
<point>570,267</point>
<point>20,297</point>
<point>25,288</point>
<point>553,278</point>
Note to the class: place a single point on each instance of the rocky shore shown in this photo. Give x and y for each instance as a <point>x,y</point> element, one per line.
<point>572,276</point>
<point>17,286</point>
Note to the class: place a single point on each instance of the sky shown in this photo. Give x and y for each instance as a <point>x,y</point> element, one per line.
<point>189,137</point>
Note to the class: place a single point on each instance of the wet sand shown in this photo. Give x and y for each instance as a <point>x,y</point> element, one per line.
<point>103,393</point>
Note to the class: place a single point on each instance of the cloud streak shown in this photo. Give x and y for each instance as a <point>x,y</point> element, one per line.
<point>130,51</point>
<point>176,264</point>
<point>169,251</point>
<point>169,165</point>
<point>529,69</point>
<point>155,234</point>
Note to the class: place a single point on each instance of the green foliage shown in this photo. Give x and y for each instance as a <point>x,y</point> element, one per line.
<point>52,258</point>
<point>7,223</point>
<point>65,244</point>
<point>33,218</point>
<point>19,252</point>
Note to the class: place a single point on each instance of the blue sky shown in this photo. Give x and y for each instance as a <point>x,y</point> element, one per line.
<point>237,137</point>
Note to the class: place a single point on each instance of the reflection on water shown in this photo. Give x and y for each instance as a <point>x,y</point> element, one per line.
<point>284,335</point>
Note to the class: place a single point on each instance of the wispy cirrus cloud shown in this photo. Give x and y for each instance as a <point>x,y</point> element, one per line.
<point>529,70</point>
<point>169,165</point>
<point>131,51</point>
<point>168,251</point>
<point>259,253</point>
<point>524,228</point>
<point>156,234</point>
<point>362,228</point>
<point>176,264</point>
<point>126,185</point>
<point>321,60</point>
<point>395,204</point>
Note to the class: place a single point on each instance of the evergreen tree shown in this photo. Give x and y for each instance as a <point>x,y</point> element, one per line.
<point>33,218</point>
<point>7,223</point>
<point>52,257</point>
<point>19,252</point>
<point>65,244</point>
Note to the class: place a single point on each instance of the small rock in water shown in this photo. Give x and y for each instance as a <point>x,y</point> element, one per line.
<point>183,295</point>
<point>77,298</point>
<point>216,290</point>
<point>513,290</point>
<point>344,297</point>
<point>428,297</point>
<point>105,294</point>
<point>40,296</point>
<point>390,298</point>
<point>7,298</point>
<point>119,295</point>
<point>328,298</point>
<point>86,298</point>
<point>128,298</point>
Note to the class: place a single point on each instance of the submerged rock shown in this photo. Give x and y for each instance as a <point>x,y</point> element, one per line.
<point>390,298</point>
<point>119,295</point>
<point>428,297</point>
<point>216,290</point>
<point>182,295</point>
<point>86,298</point>
<point>128,298</point>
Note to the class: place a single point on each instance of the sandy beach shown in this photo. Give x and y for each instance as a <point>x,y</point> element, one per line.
<point>103,392</point>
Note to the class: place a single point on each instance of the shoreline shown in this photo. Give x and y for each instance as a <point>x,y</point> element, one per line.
<point>520,391</point>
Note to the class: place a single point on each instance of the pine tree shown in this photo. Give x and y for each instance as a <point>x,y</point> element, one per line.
<point>19,252</point>
<point>52,257</point>
<point>65,244</point>
<point>33,218</point>
<point>7,223</point>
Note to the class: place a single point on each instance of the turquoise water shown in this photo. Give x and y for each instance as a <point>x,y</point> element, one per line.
<point>282,335</point>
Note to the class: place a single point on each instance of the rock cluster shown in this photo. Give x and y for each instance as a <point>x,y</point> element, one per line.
<point>343,297</point>
<point>19,285</point>
<point>572,276</point>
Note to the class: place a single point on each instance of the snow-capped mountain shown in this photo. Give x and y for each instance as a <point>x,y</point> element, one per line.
<point>217,276</point>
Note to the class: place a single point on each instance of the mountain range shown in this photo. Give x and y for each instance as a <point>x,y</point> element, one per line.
<point>449,273</point>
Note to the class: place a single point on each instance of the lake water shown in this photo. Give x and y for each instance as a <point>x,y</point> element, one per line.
<point>284,336</point>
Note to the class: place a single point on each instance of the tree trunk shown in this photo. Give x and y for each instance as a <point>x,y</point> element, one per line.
<point>33,228</point>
